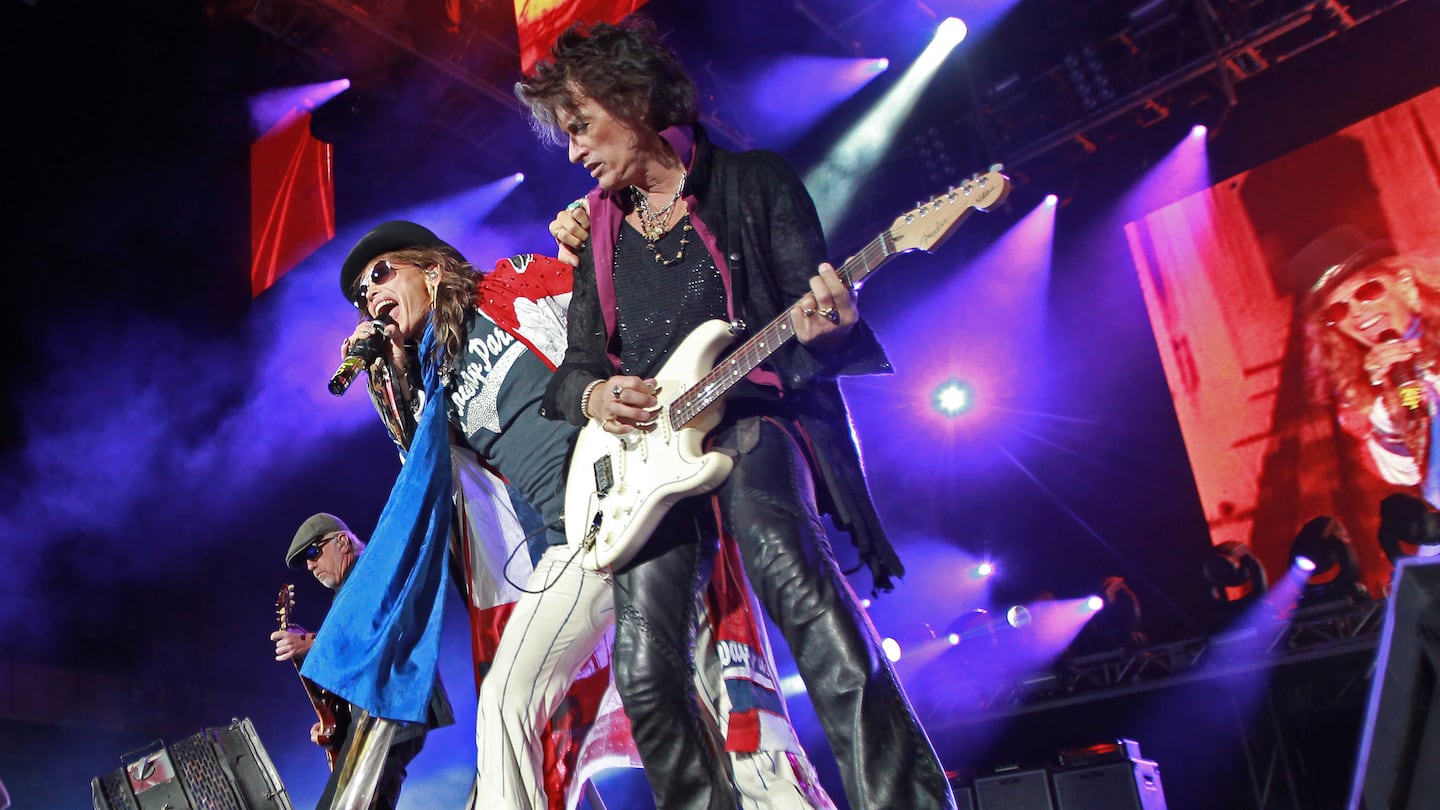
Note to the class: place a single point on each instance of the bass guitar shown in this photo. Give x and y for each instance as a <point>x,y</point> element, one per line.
<point>619,487</point>
<point>332,712</point>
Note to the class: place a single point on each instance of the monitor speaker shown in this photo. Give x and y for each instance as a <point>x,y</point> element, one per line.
<point>1018,790</point>
<point>218,769</point>
<point>1130,785</point>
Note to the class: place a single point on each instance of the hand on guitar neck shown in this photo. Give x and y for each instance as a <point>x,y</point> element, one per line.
<point>292,642</point>
<point>825,315</point>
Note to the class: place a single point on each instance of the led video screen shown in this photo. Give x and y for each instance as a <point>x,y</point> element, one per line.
<point>1296,308</point>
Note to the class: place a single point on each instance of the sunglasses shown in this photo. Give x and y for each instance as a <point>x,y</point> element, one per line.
<point>381,272</point>
<point>313,551</point>
<point>1370,291</point>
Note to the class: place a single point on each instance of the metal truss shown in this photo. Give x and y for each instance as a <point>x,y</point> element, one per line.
<point>1158,56</point>
<point>1309,634</point>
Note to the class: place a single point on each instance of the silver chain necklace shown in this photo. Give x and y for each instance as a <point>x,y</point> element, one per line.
<point>654,223</point>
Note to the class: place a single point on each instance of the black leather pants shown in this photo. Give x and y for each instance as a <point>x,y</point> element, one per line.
<point>768,505</point>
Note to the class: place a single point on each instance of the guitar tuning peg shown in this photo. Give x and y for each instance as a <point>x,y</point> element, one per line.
<point>997,167</point>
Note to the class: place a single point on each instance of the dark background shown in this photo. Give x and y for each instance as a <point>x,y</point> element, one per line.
<point>161,433</point>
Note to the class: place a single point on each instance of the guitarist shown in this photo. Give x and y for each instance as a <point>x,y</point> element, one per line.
<point>685,232</point>
<point>327,548</point>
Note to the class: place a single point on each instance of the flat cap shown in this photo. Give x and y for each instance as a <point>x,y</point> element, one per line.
<point>316,526</point>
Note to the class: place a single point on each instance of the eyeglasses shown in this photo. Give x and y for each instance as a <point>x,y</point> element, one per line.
<point>381,272</point>
<point>1371,290</point>
<point>313,551</point>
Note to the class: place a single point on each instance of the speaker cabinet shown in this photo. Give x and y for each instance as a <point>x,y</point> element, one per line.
<point>1133,785</point>
<point>217,769</point>
<point>964,799</point>
<point>1018,790</point>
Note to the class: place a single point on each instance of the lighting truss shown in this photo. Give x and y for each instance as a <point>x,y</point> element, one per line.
<point>1159,56</point>
<point>1324,631</point>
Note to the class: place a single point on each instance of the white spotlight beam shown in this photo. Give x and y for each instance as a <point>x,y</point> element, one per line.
<point>834,182</point>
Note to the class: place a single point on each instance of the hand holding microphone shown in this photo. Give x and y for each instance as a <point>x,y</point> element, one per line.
<point>362,353</point>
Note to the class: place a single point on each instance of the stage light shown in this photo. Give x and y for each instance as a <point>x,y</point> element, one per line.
<point>1114,620</point>
<point>1408,528</point>
<point>1236,579</point>
<point>1198,131</point>
<point>951,32</point>
<point>1052,200</point>
<point>519,178</point>
<point>891,648</point>
<point>1324,543</point>
<point>271,107</point>
<point>984,570</point>
<point>1017,616</point>
<point>865,603</point>
<point>880,65</point>
<point>953,398</point>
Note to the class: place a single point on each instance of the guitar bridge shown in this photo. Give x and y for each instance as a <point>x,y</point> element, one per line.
<point>604,476</point>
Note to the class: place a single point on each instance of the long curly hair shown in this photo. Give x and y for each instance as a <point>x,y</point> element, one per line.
<point>625,68</point>
<point>1335,361</point>
<point>452,284</point>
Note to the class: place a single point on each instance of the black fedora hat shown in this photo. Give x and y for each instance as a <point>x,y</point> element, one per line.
<point>1331,257</point>
<point>397,234</point>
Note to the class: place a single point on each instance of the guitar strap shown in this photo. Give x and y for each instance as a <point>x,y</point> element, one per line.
<point>734,247</point>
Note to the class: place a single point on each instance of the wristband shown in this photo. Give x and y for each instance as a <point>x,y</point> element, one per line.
<point>585,398</point>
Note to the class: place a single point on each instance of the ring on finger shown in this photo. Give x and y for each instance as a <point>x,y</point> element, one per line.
<point>617,391</point>
<point>829,313</point>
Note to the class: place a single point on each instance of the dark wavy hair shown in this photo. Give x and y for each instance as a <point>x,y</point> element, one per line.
<point>624,68</point>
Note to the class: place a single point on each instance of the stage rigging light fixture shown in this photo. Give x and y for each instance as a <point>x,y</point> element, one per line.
<point>1324,543</point>
<point>1235,579</point>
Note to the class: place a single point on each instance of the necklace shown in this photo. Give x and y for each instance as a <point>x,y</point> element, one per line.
<point>654,223</point>
<point>660,259</point>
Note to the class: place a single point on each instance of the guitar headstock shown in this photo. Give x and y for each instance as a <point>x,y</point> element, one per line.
<point>284,603</point>
<point>928,224</point>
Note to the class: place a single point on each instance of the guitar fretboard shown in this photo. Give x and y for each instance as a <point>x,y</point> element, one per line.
<point>767,341</point>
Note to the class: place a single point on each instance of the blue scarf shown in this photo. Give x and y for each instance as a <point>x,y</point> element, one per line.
<point>379,645</point>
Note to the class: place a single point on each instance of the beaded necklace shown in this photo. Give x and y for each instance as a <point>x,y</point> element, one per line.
<point>654,224</point>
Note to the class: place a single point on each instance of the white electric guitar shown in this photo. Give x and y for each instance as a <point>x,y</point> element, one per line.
<point>619,487</point>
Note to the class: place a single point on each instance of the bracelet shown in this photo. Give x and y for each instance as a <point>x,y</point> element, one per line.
<point>585,398</point>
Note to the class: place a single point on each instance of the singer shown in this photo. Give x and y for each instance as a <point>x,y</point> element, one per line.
<point>1372,327</point>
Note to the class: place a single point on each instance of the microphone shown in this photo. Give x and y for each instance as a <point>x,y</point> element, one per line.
<point>1408,387</point>
<point>362,353</point>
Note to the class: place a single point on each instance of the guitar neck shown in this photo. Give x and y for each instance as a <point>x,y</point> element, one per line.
<point>750,354</point>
